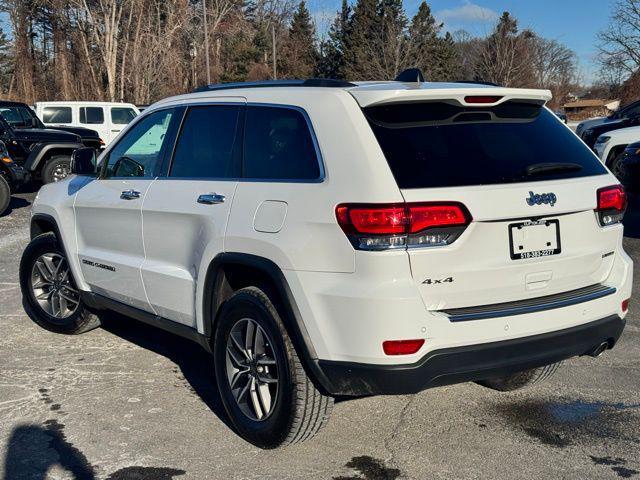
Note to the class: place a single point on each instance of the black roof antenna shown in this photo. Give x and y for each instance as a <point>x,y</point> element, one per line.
<point>410,75</point>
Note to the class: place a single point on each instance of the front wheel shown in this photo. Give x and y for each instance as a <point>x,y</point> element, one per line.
<point>264,388</point>
<point>57,168</point>
<point>49,293</point>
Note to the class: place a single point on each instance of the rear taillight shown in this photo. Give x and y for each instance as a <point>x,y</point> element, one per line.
<point>402,225</point>
<point>625,305</point>
<point>612,202</point>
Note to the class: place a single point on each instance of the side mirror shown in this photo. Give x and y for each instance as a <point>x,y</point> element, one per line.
<point>83,162</point>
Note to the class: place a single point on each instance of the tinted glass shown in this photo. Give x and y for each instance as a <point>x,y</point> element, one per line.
<point>93,115</point>
<point>56,115</point>
<point>138,153</point>
<point>17,116</point>
<point>278,145</point>
<point>631,110</point>
<point>205,147</point>
<point>443,145</point>
<point>122,115</point>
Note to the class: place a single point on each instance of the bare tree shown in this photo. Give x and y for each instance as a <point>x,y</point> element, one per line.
<point>619,48</point>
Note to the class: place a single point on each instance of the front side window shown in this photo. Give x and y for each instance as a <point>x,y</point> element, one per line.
<point>205,148</point>
<point>122,115</point>
<point>17,116</point>
<point>278,145</point>
<point>92,115</point>
<point>56,115</point>
<point>139,152</point>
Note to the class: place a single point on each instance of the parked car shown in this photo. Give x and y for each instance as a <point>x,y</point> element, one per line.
<point>44,152</point>
<point>627,168</point>
<point>610,145</point>
<point>620,114</point>
<point>591,134</point>
<point>12,176</point>
<point>338,239</point>
<point>107,118</point>
<point>561,116</point>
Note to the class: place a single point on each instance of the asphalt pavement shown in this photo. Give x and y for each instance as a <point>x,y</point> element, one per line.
<point>128,401</point>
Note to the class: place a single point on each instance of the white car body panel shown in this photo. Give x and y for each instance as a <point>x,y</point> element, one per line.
<point>350,300</point>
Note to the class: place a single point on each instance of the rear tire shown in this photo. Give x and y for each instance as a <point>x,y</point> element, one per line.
<point>49,293</point>
<point>519,380</point>
<point>615,166</point>
<point>5,194</point>
<point>57,168</point>
<point>267,394</point>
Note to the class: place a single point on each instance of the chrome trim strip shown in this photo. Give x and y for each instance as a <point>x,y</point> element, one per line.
<point>538,304</point>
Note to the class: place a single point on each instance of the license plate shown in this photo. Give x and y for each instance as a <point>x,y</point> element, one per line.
<point>534,239</point>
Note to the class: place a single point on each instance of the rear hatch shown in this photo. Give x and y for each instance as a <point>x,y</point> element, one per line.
<point>528,183</point>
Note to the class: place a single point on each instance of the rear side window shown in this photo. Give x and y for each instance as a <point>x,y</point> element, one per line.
<point>205,148</point>
<point>92,115</point>
<point>56,115</point>
<point>122,115</point>
<point>437,144</point>
<point>278,145</point>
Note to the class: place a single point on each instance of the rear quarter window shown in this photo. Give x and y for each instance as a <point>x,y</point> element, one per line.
<point>56,115</point>
<point>438,144</point>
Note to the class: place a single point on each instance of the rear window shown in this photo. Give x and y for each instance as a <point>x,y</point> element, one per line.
<point>438,144</point>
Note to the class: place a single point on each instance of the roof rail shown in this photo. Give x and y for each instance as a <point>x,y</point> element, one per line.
<point>311,82</point>
<point>479,82</point>
<point>410,75</point>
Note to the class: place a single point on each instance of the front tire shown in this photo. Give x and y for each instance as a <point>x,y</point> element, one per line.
<point>5,194</point>
<point>56,169</point>
<point>49,293</point>
<point>264,388</point>
<point>519,380</point>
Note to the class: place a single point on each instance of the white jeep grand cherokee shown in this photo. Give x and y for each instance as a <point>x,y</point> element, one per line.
<point>322,238</point>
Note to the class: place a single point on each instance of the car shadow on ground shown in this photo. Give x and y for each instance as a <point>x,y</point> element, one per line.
<point>195,364</point>
<point>15,204</point>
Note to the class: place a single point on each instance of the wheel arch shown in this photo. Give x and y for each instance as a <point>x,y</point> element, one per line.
<point>39,156</point>
<point>229,272</point>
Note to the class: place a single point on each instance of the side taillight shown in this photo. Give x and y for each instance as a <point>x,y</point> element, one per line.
<point>402,225</point>
<point>612,202</point>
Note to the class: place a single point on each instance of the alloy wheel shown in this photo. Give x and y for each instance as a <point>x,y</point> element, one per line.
<point>52,286</point>
<point>60,172</point>
<point>252,369</point>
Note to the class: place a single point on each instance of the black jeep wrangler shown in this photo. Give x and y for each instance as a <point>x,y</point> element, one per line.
<point>44,152</point>
<point>12,177</point>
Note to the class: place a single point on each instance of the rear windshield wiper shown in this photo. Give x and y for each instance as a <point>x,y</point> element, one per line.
<point>542,168</point>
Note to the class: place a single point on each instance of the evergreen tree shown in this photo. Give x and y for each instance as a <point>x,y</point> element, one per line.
<point>6,63</point>
<point>447,66</point>
<point>423,40</point>
<point>298,54</point>
<point>360,44</point>
<point>331,63</point>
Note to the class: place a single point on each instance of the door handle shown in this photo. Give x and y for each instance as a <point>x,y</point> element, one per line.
<point>211,198</point>
<point>130,195</point>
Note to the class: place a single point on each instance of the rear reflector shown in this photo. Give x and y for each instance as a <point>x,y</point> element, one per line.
<point>612,202</point>
<point>625,305</point>
<point>482,98</point>
<point>397,225</point>
<point>402,347</point>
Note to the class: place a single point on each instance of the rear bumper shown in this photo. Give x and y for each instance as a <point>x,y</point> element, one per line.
<point>473,362</point>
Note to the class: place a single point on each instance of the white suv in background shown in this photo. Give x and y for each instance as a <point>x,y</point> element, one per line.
<point>107,118</point>
<point>324,238</point>
<point>610,146</point>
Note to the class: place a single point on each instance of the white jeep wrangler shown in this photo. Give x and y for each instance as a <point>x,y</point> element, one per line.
<point>322,238</point>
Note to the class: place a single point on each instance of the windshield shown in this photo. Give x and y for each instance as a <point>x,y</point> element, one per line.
<point>438,144</point>
<point>18,116</point>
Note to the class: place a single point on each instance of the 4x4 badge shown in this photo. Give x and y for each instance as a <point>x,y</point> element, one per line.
<point>539,198</point>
